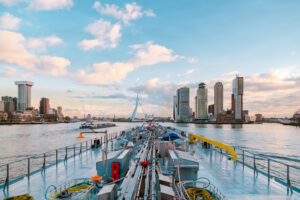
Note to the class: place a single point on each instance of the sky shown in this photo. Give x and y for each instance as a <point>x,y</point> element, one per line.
<point>94,57</point>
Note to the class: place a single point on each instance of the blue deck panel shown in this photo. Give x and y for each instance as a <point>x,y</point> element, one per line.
<point>234,181</point>
<point>83,166</point>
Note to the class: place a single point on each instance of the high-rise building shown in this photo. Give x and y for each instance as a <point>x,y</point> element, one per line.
<point>211,109</point>
<point>196,107</point>
<point>202,102</point>
<point>44,106</point>
<point>237,98</point>
<point>182,111</point>
<point>175,105</point>
<point>218,98</point>
<point>24,94</point>
<point>10,103</point>
<point>1,106</point>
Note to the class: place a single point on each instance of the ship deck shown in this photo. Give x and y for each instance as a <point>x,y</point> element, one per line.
<point>234,181</point>
<point>80,166</point>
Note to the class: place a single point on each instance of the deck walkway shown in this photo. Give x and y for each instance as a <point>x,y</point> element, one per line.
<point>236,182</point>
<point>80,166</point>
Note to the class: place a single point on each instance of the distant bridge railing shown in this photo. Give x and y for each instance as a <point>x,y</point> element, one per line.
<point>286,174</point>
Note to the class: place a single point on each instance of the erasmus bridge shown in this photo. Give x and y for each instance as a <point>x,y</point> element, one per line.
<point>137,104</point>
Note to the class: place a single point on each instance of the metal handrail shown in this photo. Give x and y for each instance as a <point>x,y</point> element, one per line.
<point>44,156</point>
<point>254,165</point>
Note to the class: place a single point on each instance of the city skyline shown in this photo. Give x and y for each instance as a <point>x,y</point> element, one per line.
<point>98,64</point>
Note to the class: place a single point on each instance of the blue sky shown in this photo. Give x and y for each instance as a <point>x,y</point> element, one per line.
<point>92,56</point>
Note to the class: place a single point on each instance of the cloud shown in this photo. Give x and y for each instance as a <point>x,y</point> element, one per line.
<point>50,4</point>
<point>192,60</point>
<point>106,35</point>
<point>40,44</point>
<point>131,11</point>
<point>13,50</point>
<point>9,22</point>
<point>10,2</point>
<point>109,73</point>
<point>187,73</point>
<point>112,96</point>
<point>52,65</point>
<point>9,72</point>
<point>190,71</point>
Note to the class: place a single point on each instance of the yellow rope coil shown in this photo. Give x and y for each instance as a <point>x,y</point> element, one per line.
<point>199,192</point>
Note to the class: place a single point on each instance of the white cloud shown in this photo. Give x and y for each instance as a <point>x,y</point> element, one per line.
<point>190,71</point>
<point>131,11</point>
<point>106,35</point>
<point>9,22</point>
<point>50,4</point>
<point>9,72</point>
<point>109,73</point>
<point>52,65</point>
<point>150,54</point>
<point>192,60</point>
<point>40,44</point>
<point>10,2</point>
<point>13,50</point>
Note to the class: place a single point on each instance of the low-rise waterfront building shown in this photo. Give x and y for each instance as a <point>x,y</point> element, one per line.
<point>3,116</point>
<point>225,117</point>
<point>211,109</point>
<point>258,117</point>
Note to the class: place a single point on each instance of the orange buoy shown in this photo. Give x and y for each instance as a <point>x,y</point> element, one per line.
<point>80,136</point>
<point>96,178</point>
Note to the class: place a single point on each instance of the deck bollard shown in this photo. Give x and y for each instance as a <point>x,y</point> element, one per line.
<point>56,156</point>
<point>66,156</point>
<point>269,170</point>
<point>6,185</point>
<point>288,181</point>
<point>243,158</point>
<point>28,168</point>
<point>254,164</point>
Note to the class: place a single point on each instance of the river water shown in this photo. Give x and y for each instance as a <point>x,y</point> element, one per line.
<point>274,140</point>
<point>21,141</point>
